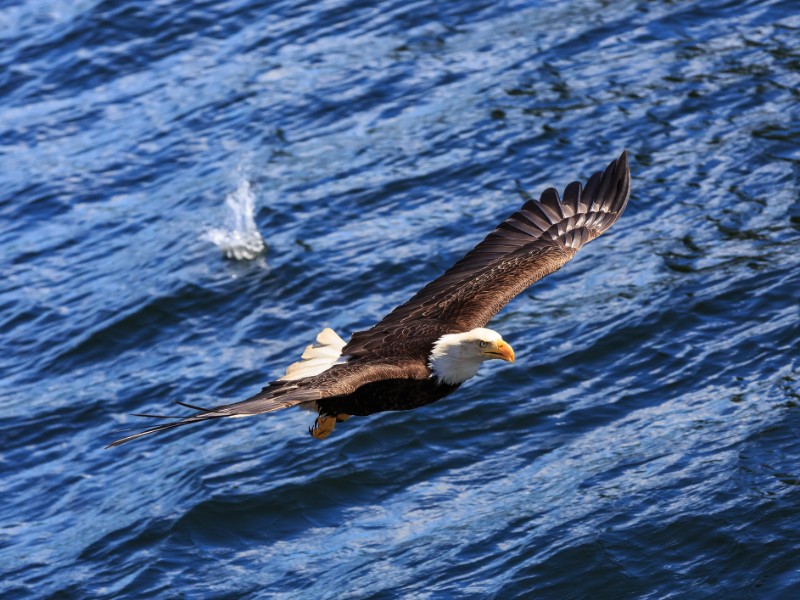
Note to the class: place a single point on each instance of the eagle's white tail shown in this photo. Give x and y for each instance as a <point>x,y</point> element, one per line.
<point>317,357</point>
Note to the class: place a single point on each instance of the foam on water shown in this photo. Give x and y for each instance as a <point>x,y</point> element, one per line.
<point>240,238</point>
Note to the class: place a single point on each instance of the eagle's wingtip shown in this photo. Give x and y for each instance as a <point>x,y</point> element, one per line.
<point>622,161</point>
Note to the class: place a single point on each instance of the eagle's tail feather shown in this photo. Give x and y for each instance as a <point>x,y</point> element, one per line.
<point>193,407</point>
<point>149,416</point>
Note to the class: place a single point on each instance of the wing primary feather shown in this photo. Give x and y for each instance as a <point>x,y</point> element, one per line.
<point>550,216</point>
<point>550,201</point>
<point>590,192</point>
<point>533,213</point>
<point>603,198</point>
<point>193,407</point>
<point>517,223</point>
<point>268,400</point>
<point>623,184</point>
<point>572,196</point>
<point>164,427</point>
<point>149,416</point>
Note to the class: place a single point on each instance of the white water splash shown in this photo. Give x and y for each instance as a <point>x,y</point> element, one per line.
<point>239,239</point>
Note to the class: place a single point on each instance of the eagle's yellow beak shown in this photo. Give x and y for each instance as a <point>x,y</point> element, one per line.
<point>501,350</point>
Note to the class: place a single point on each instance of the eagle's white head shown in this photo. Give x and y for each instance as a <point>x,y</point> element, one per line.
<point>457,356</point>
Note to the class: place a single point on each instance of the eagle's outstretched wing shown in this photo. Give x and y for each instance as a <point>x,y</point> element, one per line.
<point>339,380</point>
<point>533,242</point>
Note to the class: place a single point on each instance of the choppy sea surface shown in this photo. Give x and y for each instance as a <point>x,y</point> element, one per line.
<point>644,445</point>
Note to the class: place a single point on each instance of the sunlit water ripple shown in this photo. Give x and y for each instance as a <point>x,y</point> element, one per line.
<point>644,444</point>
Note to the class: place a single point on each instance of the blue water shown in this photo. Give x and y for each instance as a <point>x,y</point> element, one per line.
<point>644,445</point>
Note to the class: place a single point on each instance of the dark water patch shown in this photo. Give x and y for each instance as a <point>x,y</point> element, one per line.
<point>642,443</point>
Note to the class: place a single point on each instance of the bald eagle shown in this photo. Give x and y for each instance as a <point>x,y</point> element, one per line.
<point>426,348</point>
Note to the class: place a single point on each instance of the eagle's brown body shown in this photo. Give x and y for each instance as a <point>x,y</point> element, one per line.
<point>387,394</point>
<point>387,367</point>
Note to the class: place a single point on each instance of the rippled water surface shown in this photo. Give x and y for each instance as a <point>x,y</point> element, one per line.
<point>645,443</point>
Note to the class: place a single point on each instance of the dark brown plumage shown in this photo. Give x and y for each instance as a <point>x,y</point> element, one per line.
<point>388,365</point>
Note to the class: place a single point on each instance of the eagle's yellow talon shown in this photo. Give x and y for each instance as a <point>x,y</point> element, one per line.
<point>323,427</point>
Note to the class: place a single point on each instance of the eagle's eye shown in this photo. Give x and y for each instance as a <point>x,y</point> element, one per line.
<point>483,344</point>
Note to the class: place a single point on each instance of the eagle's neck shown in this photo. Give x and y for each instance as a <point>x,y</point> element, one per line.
<point>453,362</point>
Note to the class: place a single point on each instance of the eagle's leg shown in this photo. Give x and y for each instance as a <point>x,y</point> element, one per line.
<point>341,417</point>
<point>323,426</point>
